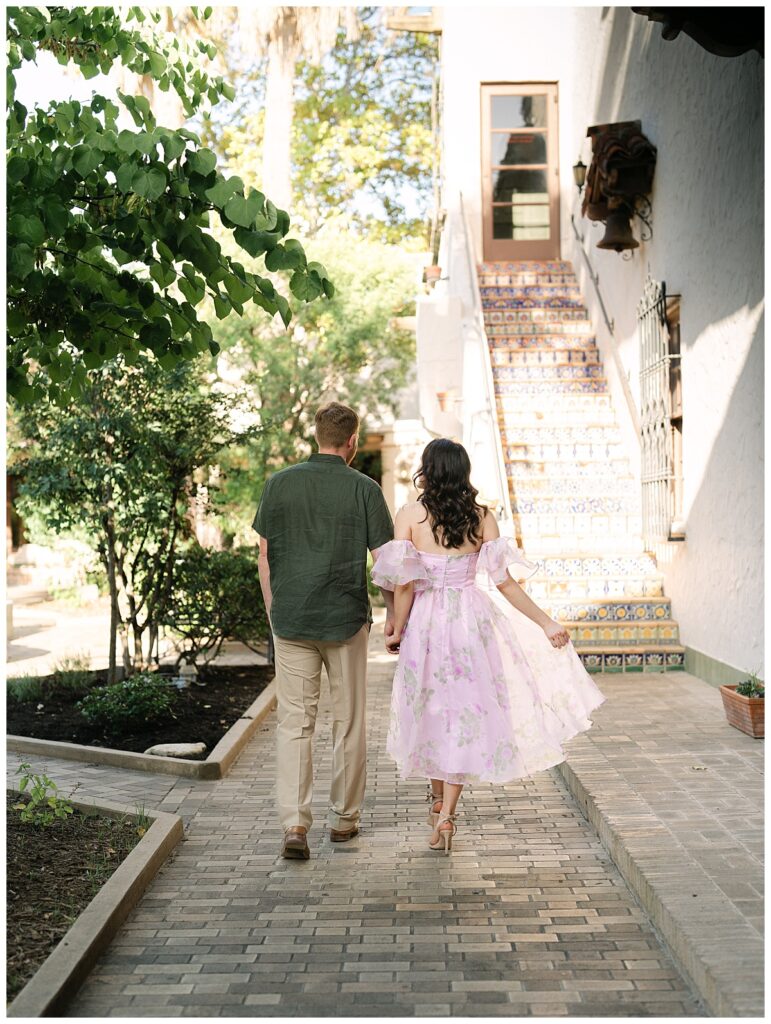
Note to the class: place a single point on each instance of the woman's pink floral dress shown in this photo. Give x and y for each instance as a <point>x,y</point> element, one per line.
<point>479,693</point>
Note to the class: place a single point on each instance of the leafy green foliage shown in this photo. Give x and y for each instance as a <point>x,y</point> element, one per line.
<point>751,687</point>
<point>109,251</point>
<point>118,708</point>
<point>24,688</point>
<point>362,145</point>
<point>215,597</point>
<point>120,467</point>
<point>44,805</point>
<point>348,348</point>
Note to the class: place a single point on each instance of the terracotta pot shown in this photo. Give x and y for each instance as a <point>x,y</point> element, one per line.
<point>744,713</point>
<point>432,273</point>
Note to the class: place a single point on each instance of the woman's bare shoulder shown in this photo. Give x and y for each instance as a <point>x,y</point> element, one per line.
<point>411,511</point>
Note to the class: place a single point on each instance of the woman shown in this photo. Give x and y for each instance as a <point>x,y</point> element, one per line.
<point>485,690</point>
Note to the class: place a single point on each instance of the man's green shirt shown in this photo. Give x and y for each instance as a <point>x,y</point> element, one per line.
<point>319,518</point>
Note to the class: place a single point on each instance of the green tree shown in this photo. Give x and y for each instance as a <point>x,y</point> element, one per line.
<point>349,349</point>
<point>120,465</point>
<point>109,251</point>
<point>362,144</point>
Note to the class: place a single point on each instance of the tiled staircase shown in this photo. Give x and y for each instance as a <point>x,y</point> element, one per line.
<point>575,502</point>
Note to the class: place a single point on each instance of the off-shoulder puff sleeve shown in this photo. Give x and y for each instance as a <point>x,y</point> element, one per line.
<point>501,557</point>
<point>398,561</point>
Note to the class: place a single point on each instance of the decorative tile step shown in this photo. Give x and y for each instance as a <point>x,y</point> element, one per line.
<point>625,659</point>
<point>569,506</point>
<point>525,266</point>
<point>603,634</point>
<point>552,387</point>
<point>599,546</point>
<point>593,589</point>
<point>499,299</point>
<point>524,341</point>
<point>589,565</point>
<point>560,487</point>
<point>569,527</point>
<point>528,278</point>
<point>551,357</point>
<point>558,413</point>
<point>636,609</point>
<point>538,433</point>
<point>568,291</point>
<point>565,452</point>
<point>592,476</point>
<point>501,311</point>
<point>553,374</point>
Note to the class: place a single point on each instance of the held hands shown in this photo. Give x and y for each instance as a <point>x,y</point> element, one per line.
<point>557,634</point>
<point>392,640</point>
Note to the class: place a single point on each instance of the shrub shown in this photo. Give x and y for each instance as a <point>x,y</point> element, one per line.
<point>24,688</point>
<point>73,674</point>
<point>215,597</point>
<point>140,699</point>
<point>751,687</point>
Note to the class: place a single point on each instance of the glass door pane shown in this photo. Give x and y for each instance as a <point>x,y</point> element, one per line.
<point>520,184</point>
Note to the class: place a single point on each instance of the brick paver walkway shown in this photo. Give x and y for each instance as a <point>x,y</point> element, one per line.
<point>527,916</point>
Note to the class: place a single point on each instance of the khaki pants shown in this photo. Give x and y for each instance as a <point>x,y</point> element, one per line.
<point>298,684</point>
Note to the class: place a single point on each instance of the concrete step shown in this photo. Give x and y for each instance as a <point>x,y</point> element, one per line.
<point>550,357</point>
<point>625,658</point>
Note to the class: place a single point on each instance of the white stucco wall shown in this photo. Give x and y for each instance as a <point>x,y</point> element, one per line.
<point>705,115</point>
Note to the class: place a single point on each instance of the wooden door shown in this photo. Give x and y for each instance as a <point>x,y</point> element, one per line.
<point>520,172</point>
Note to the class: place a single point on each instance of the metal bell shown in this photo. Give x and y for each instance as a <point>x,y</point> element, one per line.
<point>618,231</point>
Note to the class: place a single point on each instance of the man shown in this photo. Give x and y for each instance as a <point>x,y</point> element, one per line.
<point>316,521</point>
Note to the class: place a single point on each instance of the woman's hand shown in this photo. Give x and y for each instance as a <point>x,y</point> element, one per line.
<point>557,634</point>
<point>392,643</point>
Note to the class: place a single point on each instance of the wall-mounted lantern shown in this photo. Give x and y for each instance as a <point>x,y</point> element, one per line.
<point>618,182</point>
<point>579,174</point>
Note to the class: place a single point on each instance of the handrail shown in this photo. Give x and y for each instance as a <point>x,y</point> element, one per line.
<point>610,324</point>
<point>478,325</point>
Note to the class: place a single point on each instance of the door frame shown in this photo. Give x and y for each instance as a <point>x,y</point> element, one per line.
<point>531,249</point>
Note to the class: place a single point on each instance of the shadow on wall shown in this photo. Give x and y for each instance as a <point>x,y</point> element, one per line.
<point>723,550</point>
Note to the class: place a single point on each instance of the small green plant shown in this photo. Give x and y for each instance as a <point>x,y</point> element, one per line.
<point>142,820</point>
<point>141,698</point>
<point>44,805</point>
<point>73,673</point>
<point>24,688</point>
<point>751,687</point>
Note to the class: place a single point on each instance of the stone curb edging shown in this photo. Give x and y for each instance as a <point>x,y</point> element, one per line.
<point>65,969</point>
<point>664,879</point>
<point>216,765</point>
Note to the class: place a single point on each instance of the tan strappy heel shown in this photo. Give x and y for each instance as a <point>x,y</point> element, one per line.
<point>445,834</point>
<point>433,799</point>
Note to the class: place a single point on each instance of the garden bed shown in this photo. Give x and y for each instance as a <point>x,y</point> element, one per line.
<point>53,873</point>
<point>201,714</point>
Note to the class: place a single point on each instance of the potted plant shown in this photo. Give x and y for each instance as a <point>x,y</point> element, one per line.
<point>744,705</point>
<point>432,273</point>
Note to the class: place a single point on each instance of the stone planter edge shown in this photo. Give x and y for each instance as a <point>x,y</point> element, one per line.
<point>65,969</point>
<point>216,765</point>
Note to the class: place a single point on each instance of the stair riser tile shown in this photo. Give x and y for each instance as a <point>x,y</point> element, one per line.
<point>590,590</point>
<point>548,374</point>
<point>633,662</point>
<point>610,611</point>
<point>568,526</point>
<point>529,488</point>
<point>599,635</point>
<point>552,387</point>
<point>562,294</point>
<point>556,357</point>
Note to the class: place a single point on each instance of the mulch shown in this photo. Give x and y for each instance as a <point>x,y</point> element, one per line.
<point>202,713</point>
<point>53,872</point>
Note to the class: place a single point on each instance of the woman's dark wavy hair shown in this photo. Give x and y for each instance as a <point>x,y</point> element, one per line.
<point>448,497</point>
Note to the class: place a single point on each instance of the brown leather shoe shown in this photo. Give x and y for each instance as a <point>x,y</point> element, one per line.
<point>342,837</point>
<point>295,844</point>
